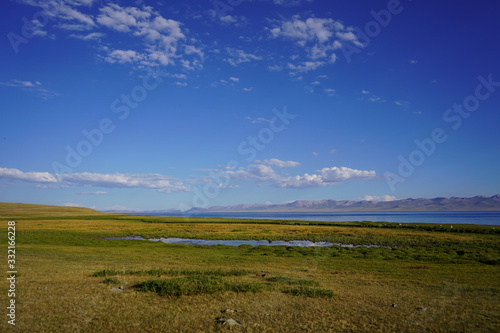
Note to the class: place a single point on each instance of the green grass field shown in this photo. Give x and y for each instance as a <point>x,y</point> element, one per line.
<point>428,278</point>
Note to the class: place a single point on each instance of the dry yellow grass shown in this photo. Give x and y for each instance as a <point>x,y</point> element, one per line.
<point>56,292</point>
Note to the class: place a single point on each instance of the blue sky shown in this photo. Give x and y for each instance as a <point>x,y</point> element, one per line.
<point>168,105</point>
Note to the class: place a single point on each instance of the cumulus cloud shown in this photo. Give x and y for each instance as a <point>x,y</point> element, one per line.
<point>90,36</point>
<point>162,36</point>
<point>228,19</point>
<point>123,56</point>
<point>318,38</point>
<point>234,20</point>
<point>157,182</point>
<point>64,10</point>
<point>162,41</point>
<point>36,177</point>
<point>121,19</point>
<point>119,180</point>
<point>92,193</point>
<point>281,164</point>
<point>385,197</point>
<point>264,174</point>
<point>237,57</point>
<point>305,66</point>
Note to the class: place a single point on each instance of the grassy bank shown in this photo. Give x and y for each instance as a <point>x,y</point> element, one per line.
<point>432,279</point>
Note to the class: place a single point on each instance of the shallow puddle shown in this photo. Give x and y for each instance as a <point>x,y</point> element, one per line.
<point>188,241</point>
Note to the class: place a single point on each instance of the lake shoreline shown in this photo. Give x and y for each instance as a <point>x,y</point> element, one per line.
<point>431,217</point>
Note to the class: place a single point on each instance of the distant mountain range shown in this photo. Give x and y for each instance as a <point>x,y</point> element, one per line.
<point>477,203</point>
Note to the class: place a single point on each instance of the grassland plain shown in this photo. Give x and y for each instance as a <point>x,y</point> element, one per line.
<point>429,278</point>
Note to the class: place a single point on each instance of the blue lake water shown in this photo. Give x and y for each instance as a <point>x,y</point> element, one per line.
<point>472,217</point>
<point>189,241</point>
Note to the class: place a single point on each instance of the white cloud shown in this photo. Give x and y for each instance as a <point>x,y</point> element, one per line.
<point>92,193</point>
<point>179,76</point>
<point>281,164</point>
<point>385,197</point>
<point>234,79</point>
<point>311,29</point>
<point>264,174</point>
<point>289,3</point>
<point>346,36</point>
<point>237,21</point>
<point>118,180</point>
<point>275,68</point>
<point>248,89</point>
<point>372,97</point>
<point>190,49</point>
<point>315,154</point>
<point>90,36</point>
<point>413,61</point>
<point>317,38</point>
<point>228,19</point>
<point>64,10</point>
<point>34,87</point>
<point>404,104</point>
<point>36,177</point>
<point>237,57</point>
<point>157,182</point>
<point>258,120</point>
<point>335,174</point>
<point>121,19</point>
<point>21,84</point>
<point>124,56</point>
<point>71,204</point>
<point>329,91</point>
<point>119,207</point>
<point>164,41</point>
<point>305,66</point>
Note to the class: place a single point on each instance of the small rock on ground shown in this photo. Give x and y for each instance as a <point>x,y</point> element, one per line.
<point>231,322</point>
<point>227,321</point>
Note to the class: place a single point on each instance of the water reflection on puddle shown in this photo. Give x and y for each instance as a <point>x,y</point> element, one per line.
<point>302,243</point>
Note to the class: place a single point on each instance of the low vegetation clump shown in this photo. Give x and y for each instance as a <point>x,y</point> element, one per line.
<point>196,285</point>
<point>292,281</point>
<point>172,282</point>
<point>110,281</point>
<point>172,272</point>
<point>106,272</point>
